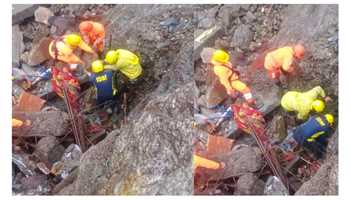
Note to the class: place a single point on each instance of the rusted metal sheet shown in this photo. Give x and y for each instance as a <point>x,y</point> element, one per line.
<point>217,145</point>
<point>29,103</point>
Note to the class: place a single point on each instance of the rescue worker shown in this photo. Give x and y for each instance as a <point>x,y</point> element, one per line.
<point>64,49</point>
<point>282,61</point>
<point>93,33</point>
<point>125,61</point>
<point>304,102</point>
<point>229,77</point>
<point>312,134</point>
<point>104,82</point>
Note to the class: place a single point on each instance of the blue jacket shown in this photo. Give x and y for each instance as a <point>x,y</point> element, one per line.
<point>315,128</point>
<point>104,84</point>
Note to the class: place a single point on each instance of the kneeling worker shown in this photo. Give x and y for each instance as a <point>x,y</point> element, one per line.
<point>304,102</point>
<point>104,82</point>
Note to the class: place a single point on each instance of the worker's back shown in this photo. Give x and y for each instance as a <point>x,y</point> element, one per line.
<point>104,84</point>
<point>279,57</point>
<point>313,128</point>
<point>128,63</point>
<point>301,102</point>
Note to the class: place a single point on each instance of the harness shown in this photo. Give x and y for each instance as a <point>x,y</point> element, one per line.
<point>233,71</point>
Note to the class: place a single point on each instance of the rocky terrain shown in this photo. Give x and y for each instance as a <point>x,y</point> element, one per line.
<point>151,154</point>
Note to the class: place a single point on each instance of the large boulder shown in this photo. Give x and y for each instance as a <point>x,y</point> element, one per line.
<point>249,184</point>
<point>48,123</point>
<point>149,156</point>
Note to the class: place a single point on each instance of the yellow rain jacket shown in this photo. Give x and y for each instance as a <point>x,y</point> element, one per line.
<point>301,101</point>
<point>280,58</point>
<point>128,63</point>
<point>65,52</point>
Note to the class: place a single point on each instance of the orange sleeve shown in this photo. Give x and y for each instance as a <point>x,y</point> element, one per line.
<point>287,63</point>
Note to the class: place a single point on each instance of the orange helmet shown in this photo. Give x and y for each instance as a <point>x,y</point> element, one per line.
<point>299,51</point>
<point>85,27</point>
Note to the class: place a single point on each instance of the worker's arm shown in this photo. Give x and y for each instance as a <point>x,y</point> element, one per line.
<point>243,89</point>
<point>86,47</point>
<point>302,115</point>
<point>111,67</point>
<point>315,92</point>
<point>287,63</point>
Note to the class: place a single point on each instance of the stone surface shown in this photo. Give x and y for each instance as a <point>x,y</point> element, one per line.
<point>148,156</point>
<point>42,14</point>
<point>324,182</point>
<point>22,11</point>
<point>17,45</point>
<point>39,53</point>
<point>241,161</point>
<point>249,184</point>
<point>242,37</point>
<point>54,123</point>
<point>278,129</point>
<point>48,150</point>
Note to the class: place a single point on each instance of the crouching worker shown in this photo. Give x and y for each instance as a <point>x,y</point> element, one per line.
<point>124,61</point>
<point>312,135</point>
<point>304,102</point>
<point>104,82</point>
<point>283,60</point>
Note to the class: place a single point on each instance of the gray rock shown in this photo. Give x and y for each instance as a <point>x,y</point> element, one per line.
<point>148,156</point>
<point>49,150</point>
<point>206,54</point>
<point>21,12</point>
<point>242,37</point>
<point>70,161</point>
<point>278,129</point>
<point>42,15</point>
<point>17,45</point>
<point>39,53</point>
<point>249,184</point>
<point>250,17</point>
<point>54,123</point>
<point>324,182</point>
<point>240,161</point>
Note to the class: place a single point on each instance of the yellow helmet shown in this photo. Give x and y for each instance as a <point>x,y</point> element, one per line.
<point>318,105</point>
<point>329,118</point>
<point>111,57</point>
<point>97,66</point>
<point>220,56</point>
<point>73,40</point>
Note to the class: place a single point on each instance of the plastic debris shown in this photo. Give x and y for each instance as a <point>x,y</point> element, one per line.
<point>24,164</point>
<point>213,118</point>
<point>274,186</point>
<point>70,160</point>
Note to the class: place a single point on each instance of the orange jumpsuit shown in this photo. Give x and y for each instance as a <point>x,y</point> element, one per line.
<point>230,80</point>
<point>280,59</point>
<point>96,35</point>
<point>65,52</point>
